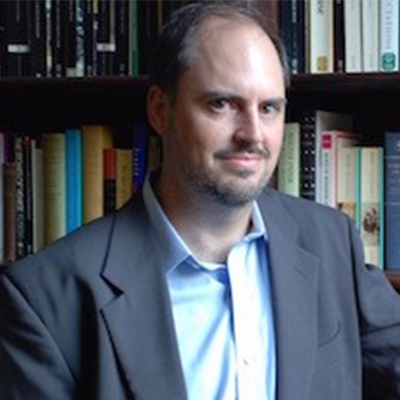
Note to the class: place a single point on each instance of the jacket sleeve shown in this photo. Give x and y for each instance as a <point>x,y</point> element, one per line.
<point>31,365</point>
<point>379,318</point>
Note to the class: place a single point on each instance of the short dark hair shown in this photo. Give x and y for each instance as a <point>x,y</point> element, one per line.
<point>171,55</point>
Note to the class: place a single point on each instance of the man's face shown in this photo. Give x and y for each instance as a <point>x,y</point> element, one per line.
<point>225,128</point>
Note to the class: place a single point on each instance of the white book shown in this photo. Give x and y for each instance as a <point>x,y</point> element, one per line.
<point>325,121</point>
<point>321,36</point>
<point>289,161</point>
<point>389,35</point>
<point>370,35</point>
<point>352,36</point>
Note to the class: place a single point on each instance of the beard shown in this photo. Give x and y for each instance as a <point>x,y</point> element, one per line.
<point>234,192</point>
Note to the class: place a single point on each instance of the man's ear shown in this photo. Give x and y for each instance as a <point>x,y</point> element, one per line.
<point>158,109</point>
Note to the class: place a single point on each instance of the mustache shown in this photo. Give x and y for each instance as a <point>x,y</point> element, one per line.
<point>244,150</point>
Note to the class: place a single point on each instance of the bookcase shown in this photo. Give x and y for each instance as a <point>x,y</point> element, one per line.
<point>54,103</point>
<point>47,104</point>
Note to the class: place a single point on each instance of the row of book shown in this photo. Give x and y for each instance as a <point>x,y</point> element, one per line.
<point>75,38</point>
<point>54,183</point>
<point>326,161</point>
<point>352,36</point>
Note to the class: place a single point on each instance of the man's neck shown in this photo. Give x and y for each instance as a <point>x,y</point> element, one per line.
<point>208,228</point>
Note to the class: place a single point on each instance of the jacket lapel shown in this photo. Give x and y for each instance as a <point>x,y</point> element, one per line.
<point>139,319</point>
<point>294,288</point>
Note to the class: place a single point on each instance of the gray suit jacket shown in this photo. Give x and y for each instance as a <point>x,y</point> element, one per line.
<point>90,318</point>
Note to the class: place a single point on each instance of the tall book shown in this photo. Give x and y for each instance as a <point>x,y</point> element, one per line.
<point>338,33</point>
<point>370,35</point>
<point>124,177</point>
<point>140,154</point>
<point>109,172</point>
<point>331,142</point>
<point>346,184</point>
<point>288,180</point>
<point>95,138</point>
<point>321,36</point>
<point>54,182</point>
<point>122,37</point>
<point>37,198</point>
<point>326,121</point>
<point>74,179</point>
<point>18,46</point>
<point>370,203</point>
<point>392,200</point>
<point>389,35</point>
<point>37,36</point>
<point>352,36</point>
<point>10,212</point>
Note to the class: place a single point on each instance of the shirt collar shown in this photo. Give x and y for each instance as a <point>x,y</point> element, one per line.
<point>169,257</point>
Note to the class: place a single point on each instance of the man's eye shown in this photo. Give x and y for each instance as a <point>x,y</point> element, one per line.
<point>271,108</point>
<point>218,104</point>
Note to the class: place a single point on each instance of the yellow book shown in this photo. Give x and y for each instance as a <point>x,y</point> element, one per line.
<point>54,187</point>
<point>95,138</point>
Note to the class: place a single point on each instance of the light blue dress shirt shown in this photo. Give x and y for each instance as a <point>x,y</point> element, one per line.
<point>222,312</point>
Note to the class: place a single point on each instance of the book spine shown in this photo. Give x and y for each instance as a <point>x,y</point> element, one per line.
<point>54,175</point>
<point>10,211</point>
<point>338,31</point>
<point>70,43</point>
<point>122,12</point>
<point>347,181</point>
<point>370,35</point>
<point>140,155</point>
<point>89,33</point>
<point>18,47</point>
<point>389,35</point>
<point>392,200</point>
<point>38,38</point>
<point>124,177</point>
<point>109,180</point>
<point>105,38</point>
<point>321,36</point>
<point>352,36</point>
<point>74,184</point>
<point>370,203</point>
<point>307,157</point>
<point>289,161</point>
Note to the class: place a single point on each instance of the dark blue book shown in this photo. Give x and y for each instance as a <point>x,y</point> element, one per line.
<point>392,199</point>
<point>140,155</point>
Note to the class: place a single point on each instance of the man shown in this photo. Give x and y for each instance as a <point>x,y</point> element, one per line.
<point>207,285</point>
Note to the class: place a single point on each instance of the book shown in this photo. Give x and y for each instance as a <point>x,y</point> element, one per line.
<point>321,36</point>
<point>37,198</point>
<point>392,199</point>
<point>18,46</point>
<point>37,38</point>
<point>140,155</point>
<point>307,155</point>
<point>54,182</point>
<point>352,36</point>
<point>2,161</point>
<point>105,37</point>
<point>109,171</point>
<point>331,142</point>
<point>95,138</point>
<point>370,203</point>
<point>23,183</point>
<point>370,35</point>
<point>122,37</point>
<point>124,177</point>
<point>389,35</point>
<point>74,179</point>
<point>288,179</point>
<point>338,33</point>
<point>10,212</point>
<point>326,121</point>
<point>346,183</point>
